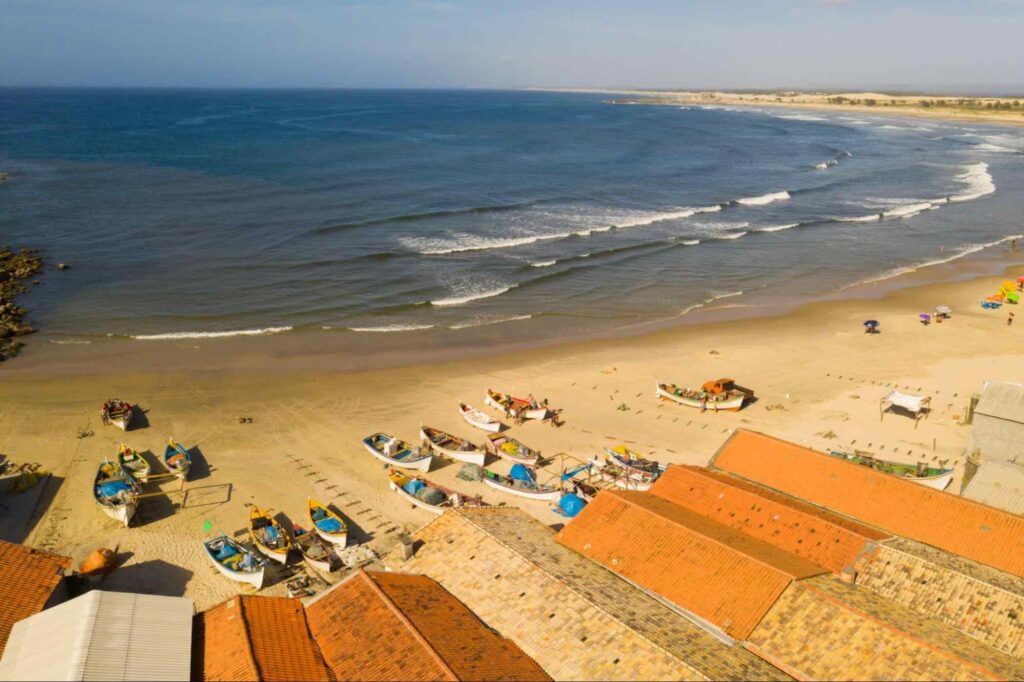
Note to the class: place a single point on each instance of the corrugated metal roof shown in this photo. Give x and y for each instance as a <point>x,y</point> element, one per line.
<point>998,484</point>
<point>783,521</point>
<point>103,636</point>
<point>940,519</point>
<point>28,578</point>
<point>716,572</point>
<point>1002,399</point>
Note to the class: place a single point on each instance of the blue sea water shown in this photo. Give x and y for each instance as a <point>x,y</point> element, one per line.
<point>214,212</point>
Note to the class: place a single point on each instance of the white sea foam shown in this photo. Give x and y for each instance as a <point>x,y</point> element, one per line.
<point>907,210</point>
<point>859,219</point>
<point>387,328</point>
<point>777,228</point>
<point>471,242</point>
<point>209,335</point>
<point>544,263</point>
<point>802,117</point>
<point>956,255</point>
<point>472,296</point>
<point>733,235</point>
<point>714,297</point>
<point>690,242</point>
<point>70,342</point>
<point>996,148</point>
<point>978,180</point>
<point>764,199</point>
<point>487,322</point>
<point>824,165</point>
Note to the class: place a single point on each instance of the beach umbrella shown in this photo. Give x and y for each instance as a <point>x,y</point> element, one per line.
<point>943,309</point>
<point>871,323</point>
<point>1021,278</point>
<point>925,317</point>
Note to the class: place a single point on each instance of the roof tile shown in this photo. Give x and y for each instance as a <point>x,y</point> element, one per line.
<point>714,571</point>
<point>936,518</point>
<point>783,521</point>
<point>27,579</point>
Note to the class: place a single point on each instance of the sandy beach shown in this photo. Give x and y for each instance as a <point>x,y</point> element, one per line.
<point>817,375</point>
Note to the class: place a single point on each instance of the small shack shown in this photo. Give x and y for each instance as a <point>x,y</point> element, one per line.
<point>997,423</point>
<point>917,406</point>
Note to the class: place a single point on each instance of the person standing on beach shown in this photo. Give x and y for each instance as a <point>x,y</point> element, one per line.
<point>1009,320</point>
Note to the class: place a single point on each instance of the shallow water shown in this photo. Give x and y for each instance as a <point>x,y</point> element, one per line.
<point>196,213</point>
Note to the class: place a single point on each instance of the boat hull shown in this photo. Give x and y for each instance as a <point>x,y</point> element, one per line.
<point>254,578</point>
<point>625,482</point>
<point>939,482</point>
<point>731,405</point>
<point>475,456</point>
<point>122,513</point>
<point>412,499</point>
<point>415,465</point>
<point>544,495</point>
<point>539,413</point>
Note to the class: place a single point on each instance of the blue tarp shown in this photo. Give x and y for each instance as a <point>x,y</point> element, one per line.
<point>112,488</point>
<point>572,504</point>
<point>329,525</point>
<point>318,514</point>
<point>520,473</point>
<point>414,486</point>
<point>226,552</point>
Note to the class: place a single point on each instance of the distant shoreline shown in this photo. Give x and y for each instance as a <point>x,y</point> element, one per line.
<point>973,110</point>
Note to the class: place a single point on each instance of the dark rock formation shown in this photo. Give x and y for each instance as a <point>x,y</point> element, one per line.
<point>16,268</point>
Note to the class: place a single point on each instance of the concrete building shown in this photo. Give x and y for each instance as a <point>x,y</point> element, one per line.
<point>103,636</point>
<point>997,424</point>
<point>575,618</point>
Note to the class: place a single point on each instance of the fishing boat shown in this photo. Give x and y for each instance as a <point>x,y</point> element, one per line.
<point>326,523</point>
<point>315,551</point>
<point>630,460</point>
<point>453,446</point>
<point>397,452</point>
<point>117,412</point>
<point>522,482</point>
<point>622,478</point>
<point>134,463</point>
<point>268,535</point>
<point>586,491</point>
<point>177,459</point>
<point>478,419</point>
<point>515,407</point>
<point>428,495</point>
<point>235,561</point>
<point>116,492</point>
<point>922,474</point>
<point>718,395</point>
<point>511,449</point>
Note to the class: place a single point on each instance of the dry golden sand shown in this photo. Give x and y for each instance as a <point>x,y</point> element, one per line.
<point>814,371</point>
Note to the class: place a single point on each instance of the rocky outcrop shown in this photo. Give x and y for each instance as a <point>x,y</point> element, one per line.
<point>16,269</point>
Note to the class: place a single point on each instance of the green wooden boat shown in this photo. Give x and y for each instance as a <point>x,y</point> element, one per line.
<point>933,477</point>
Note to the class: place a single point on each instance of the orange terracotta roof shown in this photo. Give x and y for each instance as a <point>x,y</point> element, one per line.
<point>905,508</point>
<point>256,638</point>
<point>785,522</point>
<point>716,572</point>
<point>27,579</point>
<point>393,626</point>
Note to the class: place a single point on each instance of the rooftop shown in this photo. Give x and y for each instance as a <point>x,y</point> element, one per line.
<point>256,638</point>
<point>616,606</point>
<point>940,519</point>
<point>28,578</point>
<point>1003,400</point>
<point>671,551</point>
<point>998,484</point>
<point>392,626</point>
<point>103,636</point>
<point>782,521</point>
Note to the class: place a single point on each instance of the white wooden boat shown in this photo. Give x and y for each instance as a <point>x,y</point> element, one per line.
<point>452,446</point>
<point>326,523</point>
<point>700,398</point>
<point>315,551</point>
<point>397,452</point>
<point>235,561</point>
<point>512,406</point>
<point>443,497</point>
<point>117,412</point>
<point>639,468</point>
<point>623,479</point>
<point>268,535</point>
<point>134,463</point>
<point>478,419</point>
<point>511,449</point>
<point>116,492</point>
<point>528,489</point>
<point>177,459</point>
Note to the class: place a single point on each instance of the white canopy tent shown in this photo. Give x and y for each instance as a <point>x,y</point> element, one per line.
<point>917,405</point>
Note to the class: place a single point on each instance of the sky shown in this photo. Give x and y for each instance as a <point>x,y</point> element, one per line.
<point>967,45</point>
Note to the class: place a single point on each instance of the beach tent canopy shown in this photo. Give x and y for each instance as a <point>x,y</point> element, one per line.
<point>911,403</point>
<point>943,309</point>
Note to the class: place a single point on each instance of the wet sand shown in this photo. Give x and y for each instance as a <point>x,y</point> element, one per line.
<point>817,375</point>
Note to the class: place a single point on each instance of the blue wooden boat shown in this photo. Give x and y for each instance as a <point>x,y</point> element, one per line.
<point>177,459</point>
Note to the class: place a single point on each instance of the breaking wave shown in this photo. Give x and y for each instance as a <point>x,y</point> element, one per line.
<point>764,199</point>
<point>209,335</point>
<point>387,328</point>
<point>472,296</point>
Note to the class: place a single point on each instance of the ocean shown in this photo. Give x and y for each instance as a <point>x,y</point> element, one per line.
<point>205,213</point>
